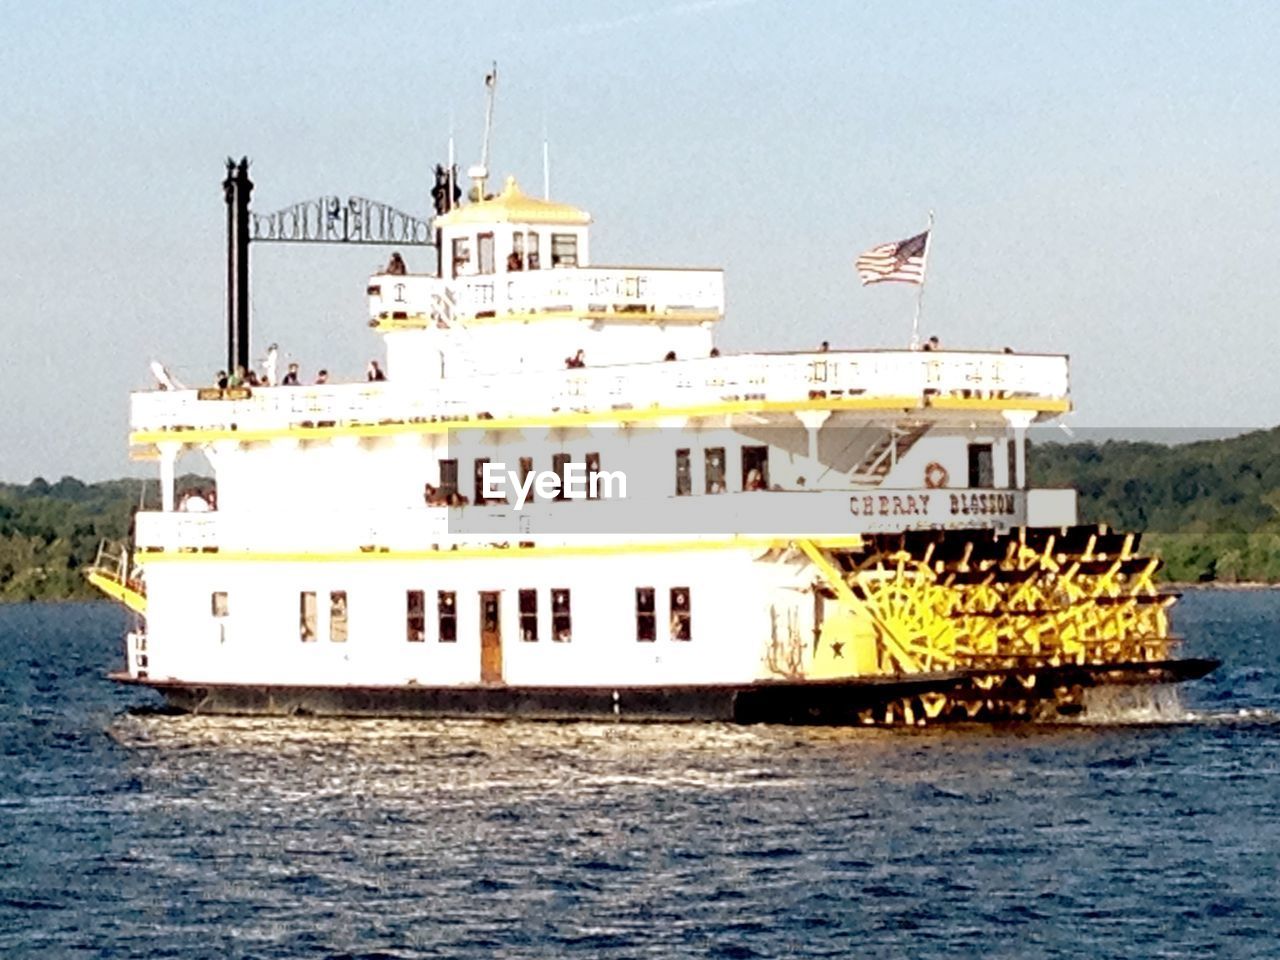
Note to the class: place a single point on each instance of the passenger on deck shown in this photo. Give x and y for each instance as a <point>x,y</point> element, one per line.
<point>291,376</point>
<point>375,372</point>
<point>514,263</point>
<point>395,266</point>
<point>322,377</point>
<point>754,480</point>
<point>577,360</point>
<point>715,352</point>
<point>826,345</point>
<point>931,344</point>
<point>671,355</point>
<point>221,380</point>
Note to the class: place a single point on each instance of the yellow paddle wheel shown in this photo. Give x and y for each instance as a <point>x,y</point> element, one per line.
<point>1022,620</point>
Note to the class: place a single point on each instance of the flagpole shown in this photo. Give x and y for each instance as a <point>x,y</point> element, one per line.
<point>924,274</point>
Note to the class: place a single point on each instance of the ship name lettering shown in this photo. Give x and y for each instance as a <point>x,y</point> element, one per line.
<point>886,505</point>
<point>982,504</point>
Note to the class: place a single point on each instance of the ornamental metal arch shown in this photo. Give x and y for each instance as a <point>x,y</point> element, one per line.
<point>331,219</point>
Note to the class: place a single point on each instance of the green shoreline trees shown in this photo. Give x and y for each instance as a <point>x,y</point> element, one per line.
<point>1211,509</point>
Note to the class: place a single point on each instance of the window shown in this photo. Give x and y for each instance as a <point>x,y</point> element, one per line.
<point>755,468</point>
<point>447,615</point>
<point>526,468</point>
<point>307,616</point>
<point>218,604</point>
<point>564,250</point>
<point>486,252</point>
<point>561,620</point>
<point>461,255</point>
<point>448,479</point>
<point>646,617</point>
<point>681,614</point>
<point>338,616</point>
<point>593,467</point>
<point>529,615</point>
<point>1012,449</point>
<point>559,463</point>
<point>684,476</point>
<point>415,617</point>
<point>981,467</point>
<point>479,485</point>
<point>532,262</point>
<point>715,469</point>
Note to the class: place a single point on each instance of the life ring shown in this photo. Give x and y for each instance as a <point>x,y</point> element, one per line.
<point>935,476</point>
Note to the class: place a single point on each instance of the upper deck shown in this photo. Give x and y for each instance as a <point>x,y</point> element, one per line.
<point>871,381</point>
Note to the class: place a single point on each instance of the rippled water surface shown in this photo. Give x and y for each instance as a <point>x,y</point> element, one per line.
<point>1154,834</point>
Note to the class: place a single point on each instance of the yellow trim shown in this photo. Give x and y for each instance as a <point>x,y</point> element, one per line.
<point>513,205</point>
<point>197,435</point>
<point>113,588</point>
<point>852,541</point>
<point>421,321</point>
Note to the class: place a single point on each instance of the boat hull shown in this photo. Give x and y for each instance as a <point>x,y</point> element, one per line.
<point>988,695</point>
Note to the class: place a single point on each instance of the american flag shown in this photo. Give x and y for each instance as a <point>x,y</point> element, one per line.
<point>902,261</point>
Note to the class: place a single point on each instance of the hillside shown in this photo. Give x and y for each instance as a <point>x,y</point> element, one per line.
<point>1210,509</point>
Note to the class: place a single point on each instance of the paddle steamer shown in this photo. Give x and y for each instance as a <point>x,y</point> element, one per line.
<point>836,536</point>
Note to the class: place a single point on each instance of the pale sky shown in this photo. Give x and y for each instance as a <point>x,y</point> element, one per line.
<point>1104,176</point>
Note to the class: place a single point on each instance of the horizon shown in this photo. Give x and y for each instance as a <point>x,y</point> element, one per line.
<point>1096,173</point>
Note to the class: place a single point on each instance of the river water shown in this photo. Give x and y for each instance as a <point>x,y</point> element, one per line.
<point>1153,833</point>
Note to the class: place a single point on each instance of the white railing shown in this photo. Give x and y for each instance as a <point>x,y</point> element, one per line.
<point>780,513</point>
<point>580,290</point>
<point>916,375</point>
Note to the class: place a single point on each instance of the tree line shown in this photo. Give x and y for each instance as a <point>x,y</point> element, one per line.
<point>1210,509</point>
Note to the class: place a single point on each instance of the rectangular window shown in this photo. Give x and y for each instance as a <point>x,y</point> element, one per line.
<point>755,468</point>
<point>1012,449</point>
<point>646,615</point>
<point>559,462</point>
<point>564,250</point>
<point>715,469</point>
<point>561,618</point>
<point>307,616</point>
<point>486,252</point>
<point>338,616</point>
<point>218,604</point>
<point>415,617</point>
<point>684,475</point>
<point>448,479</point>
<point>529,616</point>
<point>461,256</point>
<point>981,466</point>
<point>447,615</point>
<point>532,262</point>
<point>593,467</point>
<point>681,614</point>
<point>526,468</point>
<point>479,485</point>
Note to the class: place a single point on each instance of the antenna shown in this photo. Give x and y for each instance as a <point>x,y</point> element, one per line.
<point>546,166</point>
<point>480,173</point>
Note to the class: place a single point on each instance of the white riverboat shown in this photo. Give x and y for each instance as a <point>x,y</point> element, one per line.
<point>832,536</point>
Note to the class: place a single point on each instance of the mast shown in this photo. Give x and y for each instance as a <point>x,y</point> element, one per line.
<point>480,173</point>
<point>236,189</point>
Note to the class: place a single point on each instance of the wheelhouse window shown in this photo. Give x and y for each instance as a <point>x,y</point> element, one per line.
<point>715,469</point>
<point>461,256</point>
<point>684,474</point>
<point>564,250</point>
<point>531,261</point>
<point>415,616</point>
<point>646,615</point>
<point>338,616</point>
<point>529,616</point>
<point>981,466</point>
<point>755,468</point>
<point>447,616</point>
<point>561,616</point>
<point>681,614</point>
<point>218,604</point>
<point>307,616</point>
<point>486,252</point>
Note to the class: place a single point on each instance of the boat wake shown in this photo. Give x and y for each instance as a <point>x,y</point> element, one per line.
<point>1160,706</point>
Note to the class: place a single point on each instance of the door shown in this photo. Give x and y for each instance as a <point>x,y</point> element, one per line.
<point>490,638</point>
